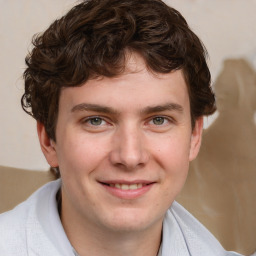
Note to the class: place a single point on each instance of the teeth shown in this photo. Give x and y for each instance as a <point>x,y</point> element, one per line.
<point>126,186</point>
<point>133,186</point>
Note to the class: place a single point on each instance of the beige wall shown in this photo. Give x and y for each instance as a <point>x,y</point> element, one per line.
<point>227,27</point>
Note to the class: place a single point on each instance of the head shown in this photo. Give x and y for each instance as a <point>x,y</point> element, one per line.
<point>119,88</point>
<point>94,39</point>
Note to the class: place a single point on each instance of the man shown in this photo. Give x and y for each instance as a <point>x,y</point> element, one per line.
<point>119,89</point>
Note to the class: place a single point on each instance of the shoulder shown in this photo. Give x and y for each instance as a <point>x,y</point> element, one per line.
<point>15,224</point>
<point>12,231</point>
<point>198,239</point>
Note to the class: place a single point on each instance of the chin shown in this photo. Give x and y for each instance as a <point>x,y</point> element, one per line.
<point>132,221</point>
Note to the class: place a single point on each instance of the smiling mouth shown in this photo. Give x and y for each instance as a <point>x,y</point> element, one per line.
<point>126,186</point>
<point>128,190</point>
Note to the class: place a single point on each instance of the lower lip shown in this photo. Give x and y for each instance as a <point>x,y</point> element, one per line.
<point>128,194</point>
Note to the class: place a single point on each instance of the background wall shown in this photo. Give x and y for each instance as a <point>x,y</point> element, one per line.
<point>227,28</point>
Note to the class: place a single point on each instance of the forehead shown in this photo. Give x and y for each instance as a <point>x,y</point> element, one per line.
<point>135,87</point>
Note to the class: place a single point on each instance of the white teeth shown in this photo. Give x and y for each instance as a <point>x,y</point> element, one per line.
<point>133,186</point>
<point>126,186</point>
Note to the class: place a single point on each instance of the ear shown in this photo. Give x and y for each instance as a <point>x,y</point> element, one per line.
<point>48,146</point>
<point>196,138</point>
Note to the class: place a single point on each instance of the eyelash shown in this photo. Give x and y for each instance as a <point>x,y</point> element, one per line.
<point>162,118</point>
<point>88,119</point>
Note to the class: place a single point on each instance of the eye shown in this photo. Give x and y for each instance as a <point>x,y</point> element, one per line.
<point>159,120</point>
<point>95,121</point>
<point>96,124</point>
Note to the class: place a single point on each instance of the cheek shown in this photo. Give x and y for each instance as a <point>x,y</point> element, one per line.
<point>174,160</point>
<point>80,154</point>
<point>173,152</point>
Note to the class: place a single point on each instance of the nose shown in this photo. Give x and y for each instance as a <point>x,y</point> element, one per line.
<point>128,149</point>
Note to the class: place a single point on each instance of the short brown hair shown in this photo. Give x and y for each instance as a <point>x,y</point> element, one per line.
<point>91,41</point>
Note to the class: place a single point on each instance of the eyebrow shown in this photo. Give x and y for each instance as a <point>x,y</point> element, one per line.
<point>165,107</point>
<point>108,110</point>
<point>93,107</point>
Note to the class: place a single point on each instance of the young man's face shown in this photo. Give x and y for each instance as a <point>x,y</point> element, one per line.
<point>123,146</point>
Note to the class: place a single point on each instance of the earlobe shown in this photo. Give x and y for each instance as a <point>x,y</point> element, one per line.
<point>196,139</point>
<point>48,146</point>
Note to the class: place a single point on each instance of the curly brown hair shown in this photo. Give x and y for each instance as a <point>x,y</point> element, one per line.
<point>91,40</point>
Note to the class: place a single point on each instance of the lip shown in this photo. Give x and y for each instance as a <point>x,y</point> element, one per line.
<point>127,194</point>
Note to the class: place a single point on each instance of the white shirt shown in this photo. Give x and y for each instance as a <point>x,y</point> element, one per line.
<point>33,228</point>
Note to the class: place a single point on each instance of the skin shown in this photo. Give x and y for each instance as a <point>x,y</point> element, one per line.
<point>134,128</point>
